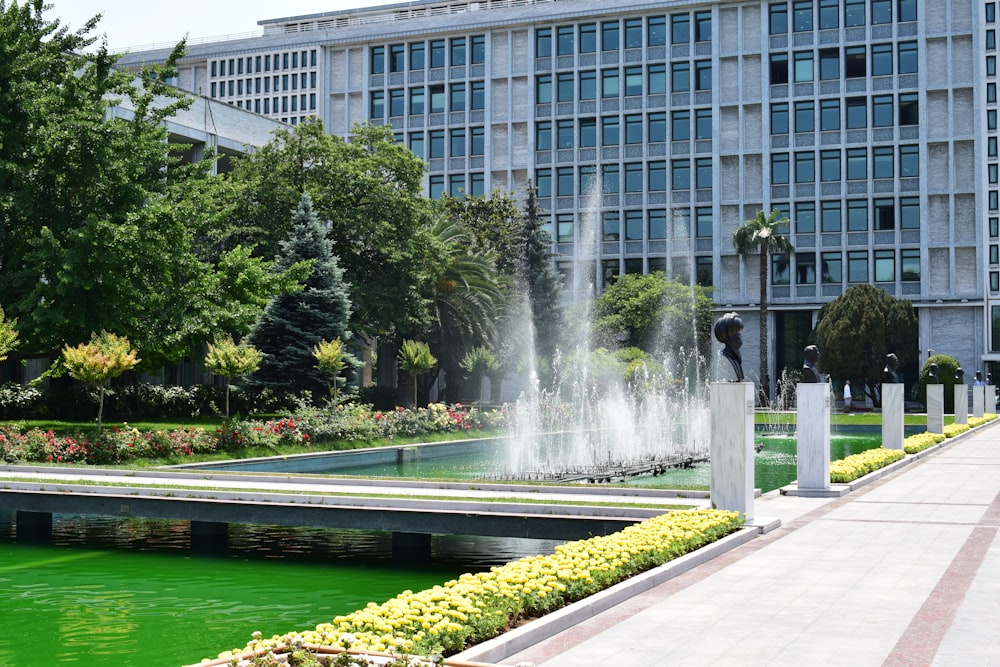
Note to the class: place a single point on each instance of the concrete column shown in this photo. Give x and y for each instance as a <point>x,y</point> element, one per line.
<point>732,451</point>
<point>892,415</point>
<point>209,538</point>
<point>812,435</point>
<point>990,398</point>
<point>961,403</point>
<point>34,527</point>
<point>935,408</point>
<point>978,400</point>
<point>411,548</point>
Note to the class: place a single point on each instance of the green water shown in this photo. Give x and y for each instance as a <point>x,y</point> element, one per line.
<point>111,592</point>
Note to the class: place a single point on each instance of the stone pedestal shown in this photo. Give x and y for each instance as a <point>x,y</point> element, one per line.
<point>978,400</point>
<point>892,415</point>
<point>732,452</point>
<point>990,398</point>
<point>812,435</point>
<point>961,403</point>
<point>935,408</point>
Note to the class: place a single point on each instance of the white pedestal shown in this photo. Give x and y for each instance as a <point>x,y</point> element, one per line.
<point>892,415</point>
<point>961,403</point>
<point>990,398</point>
<point>978,400</point>
<point>732,464</point>
<point>935,408</point>
<point>812,435</point>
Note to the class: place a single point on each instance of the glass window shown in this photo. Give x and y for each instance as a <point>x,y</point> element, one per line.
<point>657,176</point>
<point>802,12</point>
<point>436,140</point>
<point>633,81</point>
<point>656,31</point>
<point>703,222</point>
<point>543,44</point>
<point>588,38</point>
<point>437,51</point>
<point>565,180</point>
<point>882,114</point>
<point>991,40</point>
<point>991,146</point>
<point>779,169</point>
<point>857,164</point>
<point>633,177</point>
<point>397,57</point>
<point>435,186</point>
<point>609,131</point>
<point>909,261</point>
<point>397,102</point>
<point>543,89</point>
<point>657,223</point>
<point>909,212</point>
<point>680,77</point>
<point>612,226</point>
<point>829,115</point>
<point>857,266</point>
<point>543,182</point>
<point>478,46</point>
<point>805,218</point>
<point>881,11</point>
<point>633,33</point>
<point>909,161</point>
<point>857,113</point>
<point>857,215</point>
<point>805,167</point>
<point>885,266</point>
<point>703,26</point>
<point>703,268</point>
<point>855,64</point>
<point>703,175</point>
<point>564,228</point>
<point>779,118</point>
<point>703,124</point>
<point>991,12</point>
<point>477,99</point>
<point>778,68</point>
<point>378,104</point>
<point>609,36</point>
<point>680,174</point>
<point>564,133</point>
<point>478,184</point>
<point>881,59</point>
<point>778,18</point>
<point>588,132</point>
<point>478,143</point>
<point>882,161</point>
<point>416,101</point>
<point>803,66</point>
<point>588,179</point>
<point>680,129</point>
<point>885,214</point>
<point>830,217</point>
<point>991,65</point>
<point>829,165</point>
<point>832,266</point>
<point>457,148</point>
<point>564,40</point>
<point>656,130</point>
<point>417,144</point>
<point>436,95</point>
<point>457,97</point>
<point>611,179</point>
<point>906,10</point>
<point>680,29</point>
<point>854,13</point>
<point>780,269</point>
<point>829,64</point>
<point>588,85</point>
<point>377,58</point>
<point>609,83</point>
<point>804,117</point>
<point>805,268</point>
<point>909,109</point>
<point>829,14</point>
<point>565,83</point>
<point>703,75</point>
<point>633,129</point>
<point>907,57</point>
<point>657,79</point>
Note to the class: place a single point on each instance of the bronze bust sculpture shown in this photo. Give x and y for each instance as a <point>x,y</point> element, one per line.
<point>810,373</point>
<point>889,373</point>
<point>729,332</point>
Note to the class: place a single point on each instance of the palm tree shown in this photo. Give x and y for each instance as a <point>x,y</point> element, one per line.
<point>762,235</point>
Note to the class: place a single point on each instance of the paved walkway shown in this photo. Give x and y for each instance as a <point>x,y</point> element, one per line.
<point>905,571</point>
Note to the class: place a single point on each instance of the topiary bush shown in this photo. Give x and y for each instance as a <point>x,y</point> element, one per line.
<point>946,375</point>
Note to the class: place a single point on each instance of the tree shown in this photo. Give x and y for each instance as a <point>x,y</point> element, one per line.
<point>946,367</point>
<point>228,359</point>
<point>763,236</point>
<point>293,324</point>
<point>537,279</point>
<point>494,225</point>
<point>480,363</point>
<point>858,329</point>
<point>332,358</point>
<point>416,359</point>
<point>8,335</point>
<point>637,310</point>
<point>105,357</point>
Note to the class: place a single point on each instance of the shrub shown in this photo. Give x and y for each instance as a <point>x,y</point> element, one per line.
<point>858,465</point>
<point>19,401</point>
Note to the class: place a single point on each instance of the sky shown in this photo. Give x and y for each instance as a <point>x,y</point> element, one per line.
<point>129,24</point>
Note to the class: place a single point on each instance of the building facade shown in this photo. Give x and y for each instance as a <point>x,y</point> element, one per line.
<point>652,130</point>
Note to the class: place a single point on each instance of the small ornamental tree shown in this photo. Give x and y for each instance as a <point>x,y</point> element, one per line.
<point>416,359</point>
<point>332,358</point>
<point>8,335</point>
<point>106,356</point>
<point>228,359</point>
<point>479,363</point>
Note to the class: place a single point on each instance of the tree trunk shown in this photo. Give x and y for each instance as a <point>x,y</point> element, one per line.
<point>765,378</point>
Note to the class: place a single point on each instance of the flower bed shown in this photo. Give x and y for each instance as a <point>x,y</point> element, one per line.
<point>858,465</point>
<point>475,607</point>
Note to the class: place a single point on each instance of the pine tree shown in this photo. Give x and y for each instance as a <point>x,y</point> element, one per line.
<point>539,280</point>
<point>294,324</point>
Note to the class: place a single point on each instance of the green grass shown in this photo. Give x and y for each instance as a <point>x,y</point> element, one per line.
<point>858,418</point>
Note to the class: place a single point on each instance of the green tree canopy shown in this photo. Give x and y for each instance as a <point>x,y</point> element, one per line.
<point>537,278</point>
<point>97,362</point>
<point>229,359</point>
<point>858,329</point>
